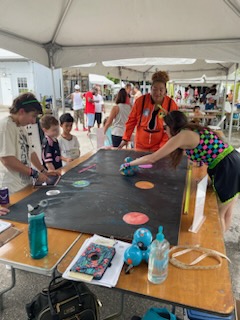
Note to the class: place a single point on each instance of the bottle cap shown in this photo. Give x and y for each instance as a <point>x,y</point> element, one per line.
<point>160,235</point>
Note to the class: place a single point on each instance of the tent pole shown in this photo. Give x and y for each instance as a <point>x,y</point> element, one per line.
<point>62,92</point>
<point>233,103</point>
<point>54,105</point>
<point>50,51</point>
<point>224,96</point>
<point>120,76</point>
<point>144,83</point>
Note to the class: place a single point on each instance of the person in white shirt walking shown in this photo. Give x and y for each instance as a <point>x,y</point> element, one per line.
<point>78,107</point>
<point>99,108</point>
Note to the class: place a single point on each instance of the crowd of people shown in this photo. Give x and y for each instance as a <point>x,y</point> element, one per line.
<point>148,122</point>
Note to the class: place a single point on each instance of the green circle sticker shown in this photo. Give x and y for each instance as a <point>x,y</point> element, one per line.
<point>81,184</point>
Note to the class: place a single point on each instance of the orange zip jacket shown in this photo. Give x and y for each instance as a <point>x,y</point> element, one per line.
<point>140,116</point>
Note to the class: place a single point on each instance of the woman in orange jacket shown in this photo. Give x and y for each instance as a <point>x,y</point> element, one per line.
<point>146,115</point>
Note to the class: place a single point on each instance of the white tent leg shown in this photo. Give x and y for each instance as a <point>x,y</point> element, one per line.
<point>54,104</point>
<point>62,93</point>
<point>224,101</point>
<point>120,76</point>
<point>144,83</point>
<point>233,102</point>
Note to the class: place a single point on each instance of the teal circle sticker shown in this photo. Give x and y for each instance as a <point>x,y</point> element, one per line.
<point>81,183</point>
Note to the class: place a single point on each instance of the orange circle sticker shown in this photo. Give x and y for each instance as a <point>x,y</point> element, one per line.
<point>144,185</point>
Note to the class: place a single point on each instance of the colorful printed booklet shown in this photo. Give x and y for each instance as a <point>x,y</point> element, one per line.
<point>94,260</point>
<point>99,261</point>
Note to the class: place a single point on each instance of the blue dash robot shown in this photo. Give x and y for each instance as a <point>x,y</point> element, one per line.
<point>139,249</point>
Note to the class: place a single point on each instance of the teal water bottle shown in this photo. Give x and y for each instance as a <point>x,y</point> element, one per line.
<point>37,235</point>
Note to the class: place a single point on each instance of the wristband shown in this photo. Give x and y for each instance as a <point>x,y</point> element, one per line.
<point>34,173</point>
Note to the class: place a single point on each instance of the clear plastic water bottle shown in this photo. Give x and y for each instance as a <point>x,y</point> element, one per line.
<point>37,235</point>
<point>158,258</point>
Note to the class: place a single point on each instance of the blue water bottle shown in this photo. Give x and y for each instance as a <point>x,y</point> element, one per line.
<point>37,234</point>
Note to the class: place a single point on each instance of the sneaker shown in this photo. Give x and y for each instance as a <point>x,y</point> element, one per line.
<point>76,129</point>
<point>85,129</point>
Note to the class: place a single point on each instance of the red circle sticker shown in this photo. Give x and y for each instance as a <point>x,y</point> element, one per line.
<point>135,218</point>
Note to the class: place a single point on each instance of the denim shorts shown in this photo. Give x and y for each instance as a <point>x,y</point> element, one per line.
<point>90,119</point>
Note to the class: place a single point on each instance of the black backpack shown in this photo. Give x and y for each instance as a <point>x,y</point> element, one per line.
<point>64,299</point>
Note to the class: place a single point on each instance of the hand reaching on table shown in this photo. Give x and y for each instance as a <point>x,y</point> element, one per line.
<point>43,176</point>
<point>3,211</point>
<point>122,144</point>
<point>126,169</point>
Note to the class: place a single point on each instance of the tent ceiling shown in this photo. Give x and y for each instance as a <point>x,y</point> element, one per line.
<point>124,70</point>
<point>70,32</point>
<point>138,69</point>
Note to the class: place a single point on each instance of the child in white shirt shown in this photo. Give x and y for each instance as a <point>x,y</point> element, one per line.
<point>69,145</point>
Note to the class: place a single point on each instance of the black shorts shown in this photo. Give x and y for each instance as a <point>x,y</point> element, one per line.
<point>98,117</point>
<point>226,177</point>
<point>116,140</point>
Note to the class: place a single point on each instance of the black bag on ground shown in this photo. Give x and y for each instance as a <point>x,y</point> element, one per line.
<point>64,299</point>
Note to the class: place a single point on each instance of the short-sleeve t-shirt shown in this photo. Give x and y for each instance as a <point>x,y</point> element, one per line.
<point>14,142</point>
<point>51,152</point>
<point>90,107</point>
<point>99,104</point>
<point>69,148</point>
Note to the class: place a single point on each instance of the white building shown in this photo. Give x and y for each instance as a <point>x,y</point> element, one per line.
<point>18,74</point>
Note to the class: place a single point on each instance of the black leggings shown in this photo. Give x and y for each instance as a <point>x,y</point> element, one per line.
<point>116,140</point>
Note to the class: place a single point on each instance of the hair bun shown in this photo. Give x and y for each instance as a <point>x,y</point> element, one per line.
<point>160,76</point>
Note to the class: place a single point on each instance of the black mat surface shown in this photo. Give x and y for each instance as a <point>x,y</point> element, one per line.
<point>99,208</point>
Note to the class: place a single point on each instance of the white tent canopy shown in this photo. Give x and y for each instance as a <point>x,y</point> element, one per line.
<point>61,33</point>
<point>143,69</point>
<point>100,80</point>
<point>177,68</point>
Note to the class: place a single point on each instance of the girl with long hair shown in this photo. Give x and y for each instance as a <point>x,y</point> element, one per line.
<point>118,116</point>
<point>201,145</point>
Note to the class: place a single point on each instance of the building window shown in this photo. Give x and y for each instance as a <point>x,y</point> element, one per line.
<point>22,85</point>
